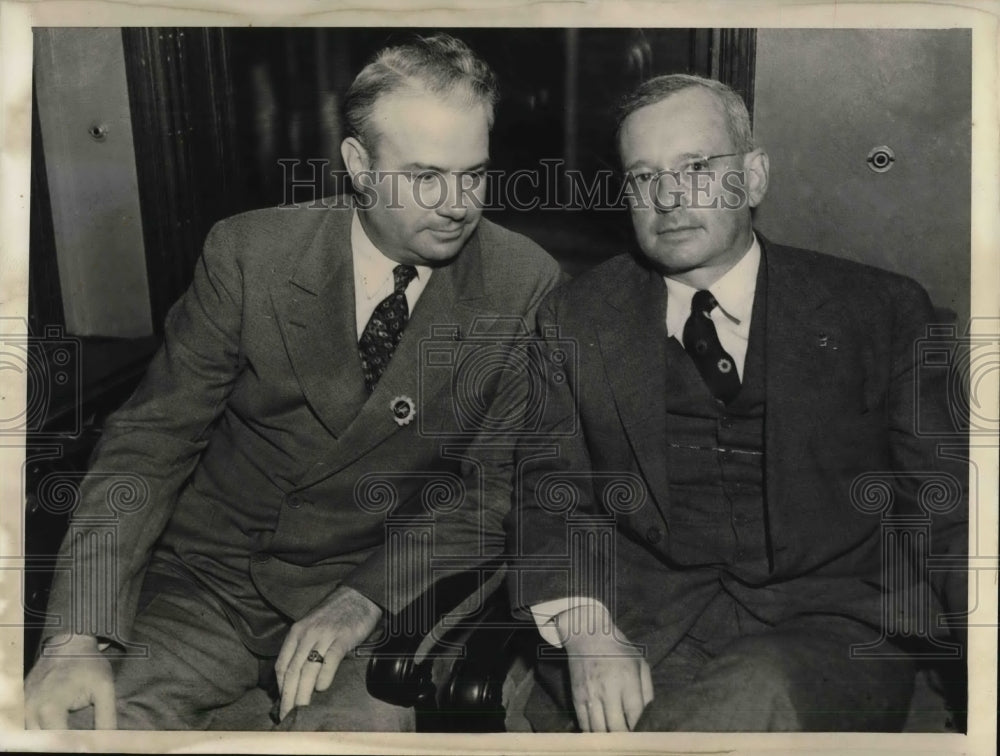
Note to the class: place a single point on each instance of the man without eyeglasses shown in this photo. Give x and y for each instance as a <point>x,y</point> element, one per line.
<point>736,389</point>
<point>290,375</point>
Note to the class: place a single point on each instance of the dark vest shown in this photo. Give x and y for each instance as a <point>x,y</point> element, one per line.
<point>715,459</point>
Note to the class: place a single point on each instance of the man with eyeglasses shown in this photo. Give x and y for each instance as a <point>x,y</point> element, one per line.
<point>739,402</point>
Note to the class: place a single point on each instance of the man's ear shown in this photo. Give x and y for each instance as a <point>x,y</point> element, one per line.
<point>757,165</point>
<point>356,159</point>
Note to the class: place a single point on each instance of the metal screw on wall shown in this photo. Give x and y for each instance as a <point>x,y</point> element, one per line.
<point>98,132</point>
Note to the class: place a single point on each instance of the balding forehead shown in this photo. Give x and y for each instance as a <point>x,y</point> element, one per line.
<point>694,96</point>
<point>461,97</point>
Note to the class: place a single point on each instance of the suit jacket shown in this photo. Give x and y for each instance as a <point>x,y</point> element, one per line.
<point>255,455</point>
<point>842,457</point>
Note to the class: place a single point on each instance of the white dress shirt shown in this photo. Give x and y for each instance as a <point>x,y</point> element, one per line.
<point>735,293</point>
<point>373,280</point>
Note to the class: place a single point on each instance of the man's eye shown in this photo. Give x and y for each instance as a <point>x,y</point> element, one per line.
<point>643,177</point>
<point>697,165</point>
<point>425,177</point>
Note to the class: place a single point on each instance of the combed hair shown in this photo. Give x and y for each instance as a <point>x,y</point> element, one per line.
<point>659,88</point>
<point>439,64</point>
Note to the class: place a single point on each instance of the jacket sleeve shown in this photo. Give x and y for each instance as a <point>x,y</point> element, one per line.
<point>147,451</point>
<point>557,531</point>
<point>928,441</point>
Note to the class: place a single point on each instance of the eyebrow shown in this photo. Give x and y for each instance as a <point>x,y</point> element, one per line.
<point>428,167</point>
<point>682,156</point>
<point>636,164</point>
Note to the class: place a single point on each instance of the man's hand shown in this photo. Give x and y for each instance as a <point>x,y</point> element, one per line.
<point>611,682</point>
<point>332,629</point>
<point>71,675</point>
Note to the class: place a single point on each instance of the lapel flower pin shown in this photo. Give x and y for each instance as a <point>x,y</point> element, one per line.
<point>403,410</point>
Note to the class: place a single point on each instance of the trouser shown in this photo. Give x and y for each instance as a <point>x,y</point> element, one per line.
<point>196,674</point>
<point>732,672</point>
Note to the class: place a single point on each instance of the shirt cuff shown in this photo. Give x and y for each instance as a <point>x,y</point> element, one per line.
<point>546,612</point>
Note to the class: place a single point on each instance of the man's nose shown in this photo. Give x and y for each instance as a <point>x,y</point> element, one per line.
<point>670,192</point>
<point>454,204</point>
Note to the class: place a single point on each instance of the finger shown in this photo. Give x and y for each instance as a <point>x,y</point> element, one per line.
<point>331,662</point>
<point>307,682</point>
<point>105,716</point>
<point>646,683</point>
<point>288,649</point>
<point>53,717</point>
<point>582,715</point>
<point>293,674</point>
<point>289,688</point>
<point>596,711</point>
<point>614,713</point>
<point>632,701</point>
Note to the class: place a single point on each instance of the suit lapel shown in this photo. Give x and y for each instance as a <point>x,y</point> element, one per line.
<point>452,298</point>
<point>805,326</point>
<point>633,340</point>
<point>315,309</point>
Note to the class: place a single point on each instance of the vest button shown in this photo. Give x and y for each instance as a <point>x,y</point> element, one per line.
<point>653,535</point>
<point>726,422</point>
<point>260,557</point>
<point>294,501</point>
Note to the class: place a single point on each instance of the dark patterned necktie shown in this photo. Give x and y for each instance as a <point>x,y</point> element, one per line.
<point>385,327</point>
<point>701,340</point>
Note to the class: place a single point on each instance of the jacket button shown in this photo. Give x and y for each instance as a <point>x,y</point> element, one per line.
<point>726,422</point>
<point>653,535</point>
<point>295,501</point>
<point>260,557</point>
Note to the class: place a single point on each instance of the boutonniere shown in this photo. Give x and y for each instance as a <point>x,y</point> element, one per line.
<point>403,410</point>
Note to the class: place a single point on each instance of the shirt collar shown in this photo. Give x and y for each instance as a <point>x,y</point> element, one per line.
<point>734,292</point>
<point>372,268</point>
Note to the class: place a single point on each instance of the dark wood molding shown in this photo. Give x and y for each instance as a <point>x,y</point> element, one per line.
<point>45,306</point>
<point>734,57</point>
<point>183,124</point>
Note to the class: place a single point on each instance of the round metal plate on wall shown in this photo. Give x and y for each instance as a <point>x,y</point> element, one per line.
<point>881,158</point>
